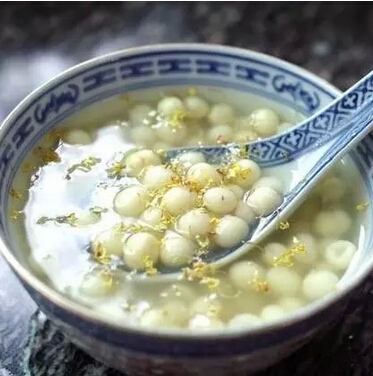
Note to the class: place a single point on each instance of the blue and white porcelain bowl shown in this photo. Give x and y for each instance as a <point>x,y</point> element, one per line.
<point>143,352</point>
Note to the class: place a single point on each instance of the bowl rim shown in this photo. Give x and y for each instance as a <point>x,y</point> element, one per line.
<point>90,316</point>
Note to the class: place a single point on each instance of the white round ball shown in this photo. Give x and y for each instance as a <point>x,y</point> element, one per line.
<point>332,223</point>
<point>243,123</point>
<point>176,250</point>
<point>270,182</point>
<point>209,305</point>
<point>111,240</point>
<point>247,301</point>
<point>264,200</point>
<point>179,290</point>
<point>243,321</point>
<point>137,161</point>
<point>138,247</point>
<point>77,137</point>
<point>154,318</point>
<point>340,253</point>
<point>323,243</point>
<point>283,281</point>
<point>203,174</point>
<point>177,312</point>
<point>251,175</point>
<point>272,312</point>
<point>220,134</point>
<point>138,113</point>
<point>174,135</point>
<point>196,108</point>
<point>152,216</point>
<point>196,140</point>
<point>244,212</point>
<point>93,285</point>
<point>319,283</point>
<point>230,231</point>
<point>195,222</point>
<point>272,251</point>
<point>221,113</point>
<point>178,200</point>
<point>131,201</point>
<point>191,158</point>
<point>169,106</point>
<point>202,323</point>
<point>156,177</point>
<point>245,136</point>
<point>290,304</point>
<point>242,274</point>
<point>220,200</point>
<point>265,122</point>
<point>332,190</point>
<point>237,190</point>
<point>142,136</point>
<point>310,256</point>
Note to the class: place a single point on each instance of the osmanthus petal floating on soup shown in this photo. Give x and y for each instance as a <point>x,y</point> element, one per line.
<point>105,212</point>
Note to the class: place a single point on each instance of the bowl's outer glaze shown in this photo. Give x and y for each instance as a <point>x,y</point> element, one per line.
<point>172,65</point>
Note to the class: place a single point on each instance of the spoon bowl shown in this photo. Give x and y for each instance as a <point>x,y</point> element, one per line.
<point>325,138</point>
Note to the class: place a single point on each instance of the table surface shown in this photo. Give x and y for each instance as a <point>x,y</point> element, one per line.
<point>333,40</point>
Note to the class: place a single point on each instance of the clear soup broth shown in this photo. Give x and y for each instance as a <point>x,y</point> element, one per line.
<point>100,213</point>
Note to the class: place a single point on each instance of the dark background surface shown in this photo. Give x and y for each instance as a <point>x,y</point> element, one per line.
<point>39,40</point>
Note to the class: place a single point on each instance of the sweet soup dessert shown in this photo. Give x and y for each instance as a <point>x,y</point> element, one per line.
<point>103,213</point>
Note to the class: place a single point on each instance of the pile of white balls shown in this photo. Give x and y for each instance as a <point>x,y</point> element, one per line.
<point>234,206</point>
<point>314,274</point>
<point>193,121</point>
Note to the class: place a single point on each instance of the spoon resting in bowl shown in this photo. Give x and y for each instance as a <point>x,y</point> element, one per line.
<point>309,152</point>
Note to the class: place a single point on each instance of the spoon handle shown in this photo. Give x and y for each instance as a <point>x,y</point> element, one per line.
<point>316,130</point>
<point>348,132</point>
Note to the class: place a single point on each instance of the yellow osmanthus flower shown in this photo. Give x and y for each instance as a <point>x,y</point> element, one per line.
<point>129,227</point>
<point>243,152</point>
<point>199,270</point>
<point>234,171</point>
<point>259,285</point>
<point>107,279</point>
<point>284,225</point>
<point>55,134</point>
<point>168,219</point>
<point>287,257</point>
<point>204,243</point>
<point>46,154</point>
<point>85,166</point>
<point>210,282</point>
<point>15,194</point>
<point>69,219</point>
<point>100,254</point>
<point>149,266</point>
<point>116,170</point>
<point>161,152</point>
<point>177,168</point>
<point>176,119</point>
<point>15,214</point>
<point>215,221</point>
<point>362,206</point>
<point>221,140</point>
